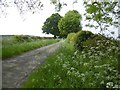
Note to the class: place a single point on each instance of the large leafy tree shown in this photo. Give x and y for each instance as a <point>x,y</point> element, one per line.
<point>105,14</point>
<point>51,25</point>
<point>71,22</point>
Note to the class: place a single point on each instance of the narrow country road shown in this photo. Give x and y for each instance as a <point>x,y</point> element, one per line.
<point>16,70</point>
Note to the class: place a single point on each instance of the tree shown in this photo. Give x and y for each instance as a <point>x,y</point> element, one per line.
<point>51,25</point>
<point>23,6</point>
<point>70,23</point>
<point>57,4</point>
<point>82,36</point>
<point>104,14</point>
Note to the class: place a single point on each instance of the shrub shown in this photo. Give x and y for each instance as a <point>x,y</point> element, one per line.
<point>100,45</point>
<point>81,37</point>
<point>71,37</point>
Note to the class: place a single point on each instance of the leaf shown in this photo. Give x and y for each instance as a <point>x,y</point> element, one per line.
<point>53,1</point>
<point>108,19</point>
<point>88,17</point>
<point>109,8</point>
<point>98,16</point>
<point>89,25</point>
<point>91,8</point>
<point>106,25</point>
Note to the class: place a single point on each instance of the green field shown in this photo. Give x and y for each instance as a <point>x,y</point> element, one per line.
<point>12,46</point>
<point>68,68</point>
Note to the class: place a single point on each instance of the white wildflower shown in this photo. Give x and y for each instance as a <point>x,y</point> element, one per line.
<point>64,66</point>
<point>68,72</point>
<point>109,84</point>
<point>75,53</point>
<point>85,64</point>
<point>113,47</point>
<point>82,74</point>
<point>116,86</point>
<point>72,68</point>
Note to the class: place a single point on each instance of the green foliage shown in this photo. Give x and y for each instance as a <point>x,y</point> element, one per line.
<point>68,68</point>
<point>58,4</point>
<point>71,37</point>
<point>91,8</point>
<point>11,46</point>
<point>70,23</point>
<point>103,13</point>
<point>81,37</point>
<point>100,44</point>
<point>26,38</point>
<point>51,25</point>
<point>22,38</point>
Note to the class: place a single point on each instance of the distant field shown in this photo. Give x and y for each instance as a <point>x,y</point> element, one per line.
<point>14,45</point>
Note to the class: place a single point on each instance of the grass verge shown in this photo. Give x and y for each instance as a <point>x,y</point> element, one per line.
<point>9,50</point>
<point>68,68</point>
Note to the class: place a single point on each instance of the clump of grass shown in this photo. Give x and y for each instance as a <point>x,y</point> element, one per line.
<point>11,47</point>
<point>68,68</point>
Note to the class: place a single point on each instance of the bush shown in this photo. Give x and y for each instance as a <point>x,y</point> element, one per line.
<point>101,45</point>
<point>81,37</point>
<point>71,37</point>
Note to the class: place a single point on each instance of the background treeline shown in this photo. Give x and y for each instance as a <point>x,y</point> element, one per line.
<point>25,37</point>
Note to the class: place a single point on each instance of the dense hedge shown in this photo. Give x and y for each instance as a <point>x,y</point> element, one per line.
<point>81,37</point>
<point>96,44</point>
<point>101,43</point>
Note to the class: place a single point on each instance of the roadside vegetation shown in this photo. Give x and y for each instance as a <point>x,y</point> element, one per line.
<point>85,60</point>
<point>95,65</point>
<point>14,45</point>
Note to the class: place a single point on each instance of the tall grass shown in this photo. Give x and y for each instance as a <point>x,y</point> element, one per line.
<point>11,47</point>
<point>68,68</point>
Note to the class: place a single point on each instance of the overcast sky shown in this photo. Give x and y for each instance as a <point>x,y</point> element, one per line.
<point>31,24</point>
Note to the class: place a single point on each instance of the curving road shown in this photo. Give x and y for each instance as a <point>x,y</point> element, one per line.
<point>15,70</point>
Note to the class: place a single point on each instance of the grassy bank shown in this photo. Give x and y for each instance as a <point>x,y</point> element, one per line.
<point>11,47</point>
<point>68,68</point>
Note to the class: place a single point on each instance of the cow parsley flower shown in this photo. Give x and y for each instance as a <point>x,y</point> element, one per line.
<point>109,84</point>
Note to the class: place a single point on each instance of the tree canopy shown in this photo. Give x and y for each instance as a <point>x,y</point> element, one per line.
<point>22,6</point>
<point>104,14</point>
<point>71,22</point>
<point>51,25</point>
